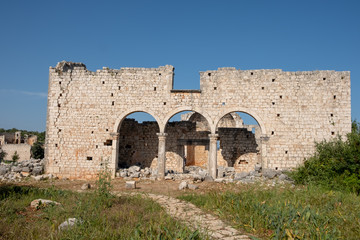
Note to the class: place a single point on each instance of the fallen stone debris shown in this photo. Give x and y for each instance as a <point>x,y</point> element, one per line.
<point>34,168</point>
<point>86,186</point>
<point>41,203</point>
<point>17,171</point>
<point>130,185</point>
<point>70,222</point>
<point>195,174</point>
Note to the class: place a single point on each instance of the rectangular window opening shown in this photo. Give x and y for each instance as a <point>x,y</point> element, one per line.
<point>154,88</point>
<point>89,158</point>
<point>108,142</point>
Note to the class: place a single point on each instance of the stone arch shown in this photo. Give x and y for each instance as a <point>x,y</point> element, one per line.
<point>258,119</point>
<point>123,115</point>
<point>253,114</point>
<point>117,129</point>
<point>197,110</point>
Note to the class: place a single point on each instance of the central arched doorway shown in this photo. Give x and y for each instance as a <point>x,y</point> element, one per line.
<point>187,142</point>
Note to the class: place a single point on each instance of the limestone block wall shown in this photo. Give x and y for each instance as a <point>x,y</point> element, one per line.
<point>23,150</point>
<point>293,109</point>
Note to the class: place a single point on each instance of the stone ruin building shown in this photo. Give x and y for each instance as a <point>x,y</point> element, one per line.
<point>15,142</point>
<point>87,125</point>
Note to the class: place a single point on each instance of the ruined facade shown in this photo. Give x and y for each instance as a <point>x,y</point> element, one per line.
<point>15,142</point>
<point>86,112</point>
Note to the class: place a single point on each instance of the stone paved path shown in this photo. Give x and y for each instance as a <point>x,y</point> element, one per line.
<point>196,218</point>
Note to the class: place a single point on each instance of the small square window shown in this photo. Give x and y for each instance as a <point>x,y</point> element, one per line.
<point>89,158</point>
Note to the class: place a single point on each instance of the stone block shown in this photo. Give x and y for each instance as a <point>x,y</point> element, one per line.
<point>130,185</point>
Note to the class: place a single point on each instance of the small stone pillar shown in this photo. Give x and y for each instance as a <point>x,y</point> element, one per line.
<point>161,155</point>
<point>213,155</point>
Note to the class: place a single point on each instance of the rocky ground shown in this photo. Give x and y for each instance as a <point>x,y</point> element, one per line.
<point>18,171</point>
<point>34,169</point>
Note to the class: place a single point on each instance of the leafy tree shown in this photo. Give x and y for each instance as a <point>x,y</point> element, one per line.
<point>37,150</point>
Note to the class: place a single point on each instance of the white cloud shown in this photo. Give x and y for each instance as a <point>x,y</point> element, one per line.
<point>13,91</point>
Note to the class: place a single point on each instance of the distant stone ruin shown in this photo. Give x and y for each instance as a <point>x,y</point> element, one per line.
<point>87,125</point>
<point>14,142</point>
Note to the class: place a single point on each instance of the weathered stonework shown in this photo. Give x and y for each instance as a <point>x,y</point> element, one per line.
<point>86,110</point>
<point>13,143</point>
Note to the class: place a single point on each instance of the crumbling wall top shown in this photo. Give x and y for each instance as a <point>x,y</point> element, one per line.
<point>64,66</point>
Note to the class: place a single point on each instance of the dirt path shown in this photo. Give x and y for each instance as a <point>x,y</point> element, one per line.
<point>195,218</point>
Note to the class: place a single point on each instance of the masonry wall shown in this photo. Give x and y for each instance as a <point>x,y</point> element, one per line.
<point>294,109</point>
<point>23,150</point>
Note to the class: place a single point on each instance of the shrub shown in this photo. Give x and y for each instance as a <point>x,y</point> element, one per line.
<point>2,154</point>
<point>37,150</point>
<point>335,164</point>
<point>104,186</point>
<point>15,156</point>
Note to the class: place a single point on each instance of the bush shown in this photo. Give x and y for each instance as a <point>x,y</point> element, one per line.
<point>37,150</point>
<point>335,165</point>
<point>2,155</point>
<point>15,156</point>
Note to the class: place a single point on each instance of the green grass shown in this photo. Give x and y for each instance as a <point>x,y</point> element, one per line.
<point>117,218</point>
<point>286,213</point>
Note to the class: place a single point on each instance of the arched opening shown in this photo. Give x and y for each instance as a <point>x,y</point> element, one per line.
<point>239,144</point>
<point>137,141</point>
<point>187,142</point>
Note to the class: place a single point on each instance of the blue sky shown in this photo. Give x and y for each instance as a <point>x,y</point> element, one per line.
<point>192,36</point>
